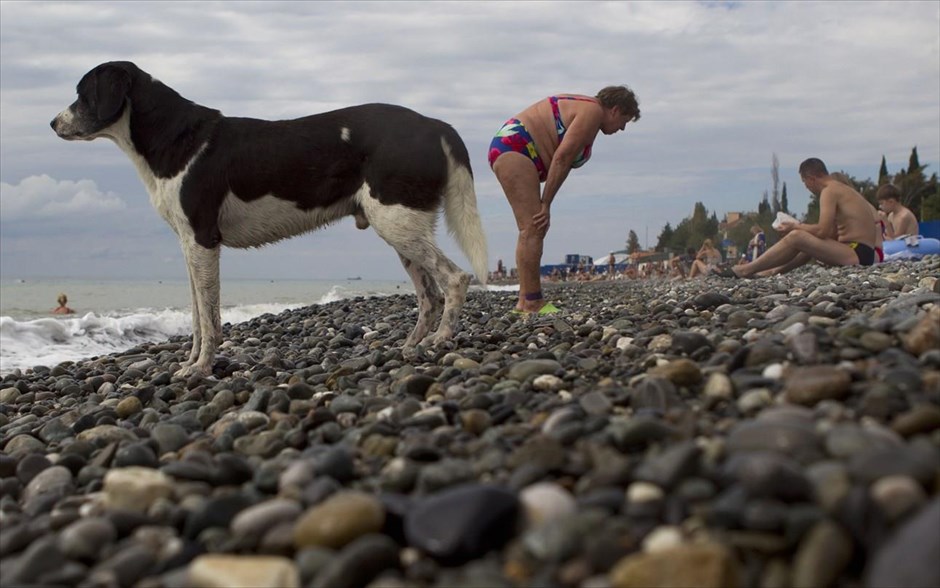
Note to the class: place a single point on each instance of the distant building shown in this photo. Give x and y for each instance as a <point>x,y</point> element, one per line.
<point>731,220</point>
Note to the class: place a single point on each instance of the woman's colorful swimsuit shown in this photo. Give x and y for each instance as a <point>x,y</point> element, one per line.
<point>561,130</point>
<point>513,136</point>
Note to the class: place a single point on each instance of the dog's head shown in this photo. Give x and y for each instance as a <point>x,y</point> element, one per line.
<point>102,97</point>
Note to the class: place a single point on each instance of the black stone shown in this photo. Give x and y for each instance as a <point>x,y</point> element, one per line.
<point>30,466</point>
<point>215,512</point>
<point>462,523</point>
<point>768,475</point>
<point>136,454</point>
<point>909,558</point>
<point>359,563</point>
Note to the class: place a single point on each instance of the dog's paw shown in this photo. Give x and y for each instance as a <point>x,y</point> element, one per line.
<point>194,369</point>
<point>410,352</point>
<point>437,339</point>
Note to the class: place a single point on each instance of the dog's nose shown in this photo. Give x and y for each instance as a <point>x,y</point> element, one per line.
<point>52,124</point>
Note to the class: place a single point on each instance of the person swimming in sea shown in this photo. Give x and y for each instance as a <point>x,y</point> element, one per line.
<point>63,308</point>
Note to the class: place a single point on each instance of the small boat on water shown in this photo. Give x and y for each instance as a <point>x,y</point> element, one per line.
<point>354,279</point>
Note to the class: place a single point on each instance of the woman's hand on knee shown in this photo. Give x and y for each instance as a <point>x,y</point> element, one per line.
<point>542,220</point>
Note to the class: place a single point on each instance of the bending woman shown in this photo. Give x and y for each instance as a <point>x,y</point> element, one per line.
<point>540,145</point>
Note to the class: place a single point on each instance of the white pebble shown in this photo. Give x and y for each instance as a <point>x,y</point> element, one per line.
<point>546,501</point>
<point>548,383</point>
<point>793,330</point>
<point>639,492</point>
<point>719,386</point>
<point>898,495</point>
<point>753,335</point>
<point>662,539</point>
<point>135,488</point>
<point>773,371</point>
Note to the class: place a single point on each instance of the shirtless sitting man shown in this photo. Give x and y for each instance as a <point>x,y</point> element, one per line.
<point>845,234</point>
<point>899,220</point>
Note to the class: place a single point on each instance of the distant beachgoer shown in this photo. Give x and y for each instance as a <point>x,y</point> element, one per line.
<point>758,243</point>
<point>706,260</point>
<point>682,264</point>
<point>611,262</point>
<point>899,220</point>
<point>844,235</point>
<point>542,144</point>
<point>63,308</point>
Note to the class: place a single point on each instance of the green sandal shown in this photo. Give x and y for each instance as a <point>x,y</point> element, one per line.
<point>549,308</point>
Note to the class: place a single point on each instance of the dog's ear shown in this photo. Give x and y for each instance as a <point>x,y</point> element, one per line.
<point>111,87</point>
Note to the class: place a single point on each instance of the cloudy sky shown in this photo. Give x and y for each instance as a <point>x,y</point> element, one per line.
<point>722,87</point>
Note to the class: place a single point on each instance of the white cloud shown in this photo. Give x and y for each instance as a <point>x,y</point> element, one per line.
<point>38,197</point>
<point>722,86</point>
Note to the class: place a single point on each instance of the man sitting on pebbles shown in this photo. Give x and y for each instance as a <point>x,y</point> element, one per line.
<point>845,234</point>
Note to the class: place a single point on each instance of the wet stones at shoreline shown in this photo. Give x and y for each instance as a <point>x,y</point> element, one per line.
<point>756,432</point>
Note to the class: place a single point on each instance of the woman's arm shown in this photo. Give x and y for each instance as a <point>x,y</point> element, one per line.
<point>582,129</point>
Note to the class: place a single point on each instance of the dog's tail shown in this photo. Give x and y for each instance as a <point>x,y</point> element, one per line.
<point>460,207</point>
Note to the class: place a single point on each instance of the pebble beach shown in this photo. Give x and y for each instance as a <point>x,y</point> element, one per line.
<point>716,433</point>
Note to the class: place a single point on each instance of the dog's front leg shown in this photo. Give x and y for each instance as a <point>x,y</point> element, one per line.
<point>194,351</point>
<point>203,266</point>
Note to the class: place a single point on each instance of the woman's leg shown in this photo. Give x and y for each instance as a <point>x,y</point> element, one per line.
<point>520,182</point>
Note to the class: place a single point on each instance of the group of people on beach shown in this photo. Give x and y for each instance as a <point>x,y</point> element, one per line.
<point>533,153</point>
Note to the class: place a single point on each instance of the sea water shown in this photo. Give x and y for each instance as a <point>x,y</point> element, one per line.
<point>115,315</point>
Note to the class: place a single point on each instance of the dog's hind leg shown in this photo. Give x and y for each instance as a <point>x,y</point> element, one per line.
<point>203,266</point>
<point>430,300</point>
<point>411,232</point>
<point>454,282</point>
<point>434,274</point>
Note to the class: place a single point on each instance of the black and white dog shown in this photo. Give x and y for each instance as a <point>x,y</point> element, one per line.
<point>245,182</point>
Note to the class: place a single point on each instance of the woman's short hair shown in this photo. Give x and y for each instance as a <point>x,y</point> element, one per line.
<point>622,97</point>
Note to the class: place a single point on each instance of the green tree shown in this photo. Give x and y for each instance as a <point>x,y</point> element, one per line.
<point>665,238</point>
<point>633,242</point>
<point>680,236</point>
<point>784,203</point>
<point>812,210</point>
<point>931,207</point>
<point>695,229</point>
<point>914,185</point>
<point>914,162</point>
<point>883,177</point>
<point>866,188</point>
<point>764,206</point>
<point>775,177</point>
